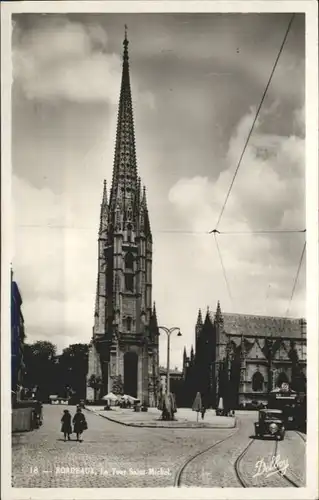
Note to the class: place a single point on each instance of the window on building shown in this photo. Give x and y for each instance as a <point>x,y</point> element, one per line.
<point>129,261</point>
<point>129,229</point>
<point>129,324</point>
<point>257,382</point>
<point>129,282</point>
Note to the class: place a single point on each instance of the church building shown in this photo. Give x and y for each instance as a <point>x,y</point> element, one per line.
<point>123,353</point>
<point>241,358</point>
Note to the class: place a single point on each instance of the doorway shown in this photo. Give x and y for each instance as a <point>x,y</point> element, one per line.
<point>130,373</point>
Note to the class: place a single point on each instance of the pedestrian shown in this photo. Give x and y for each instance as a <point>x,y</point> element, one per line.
<point>38,415</point>
<point>203,411</point>
<point>80,424</point>
<point>66,425</point>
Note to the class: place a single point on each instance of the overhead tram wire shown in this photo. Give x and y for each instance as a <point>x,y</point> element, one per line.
<point>282,329</point>
<point>224,271</point>
<point>269,231</point>
<point>255,119</point>
<point>169,231</point>
<point>296,278</point>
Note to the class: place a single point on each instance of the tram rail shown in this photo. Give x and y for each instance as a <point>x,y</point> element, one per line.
<point>289,477</point>
<point>179,474</point>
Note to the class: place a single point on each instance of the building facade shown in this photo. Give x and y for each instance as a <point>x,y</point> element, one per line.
<point>124,346</point>
<point>241,358</point>
<point>17,340</point>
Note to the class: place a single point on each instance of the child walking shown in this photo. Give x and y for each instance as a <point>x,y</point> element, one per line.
<point>80,424</point>
<point>66,425</point>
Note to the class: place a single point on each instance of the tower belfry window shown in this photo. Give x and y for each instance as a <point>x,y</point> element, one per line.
<point>129,324</point>
<point>129,284</point>
<point>129,261</point>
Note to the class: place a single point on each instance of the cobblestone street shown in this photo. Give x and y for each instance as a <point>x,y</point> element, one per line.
<point>113,455</point>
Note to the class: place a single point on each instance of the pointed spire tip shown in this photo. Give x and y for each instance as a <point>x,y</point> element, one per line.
<point>125,43</point>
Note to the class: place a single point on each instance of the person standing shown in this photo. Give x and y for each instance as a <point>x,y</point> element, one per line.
<point>203,411</point>
<point>79,423</point>
<point>66,425</point>
<point>38,415</point>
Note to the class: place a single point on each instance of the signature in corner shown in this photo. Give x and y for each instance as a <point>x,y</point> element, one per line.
<point>274,466</point>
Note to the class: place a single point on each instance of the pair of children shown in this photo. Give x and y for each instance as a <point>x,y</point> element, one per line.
<point>79,423</point>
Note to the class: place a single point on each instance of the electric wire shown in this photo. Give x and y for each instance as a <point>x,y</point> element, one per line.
<point>267,231</point>
<point>285,319</point>
<point>255,119</point>
<point>296,278</point>
<point>169,231</point>
<point>224,271</point>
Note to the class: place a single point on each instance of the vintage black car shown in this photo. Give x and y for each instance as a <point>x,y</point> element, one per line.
<point>270,423</point>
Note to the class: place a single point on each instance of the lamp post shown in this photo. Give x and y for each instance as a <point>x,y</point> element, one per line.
<point>168,332</point>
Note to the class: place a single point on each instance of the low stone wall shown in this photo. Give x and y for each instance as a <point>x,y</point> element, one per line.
<point>22,419</point>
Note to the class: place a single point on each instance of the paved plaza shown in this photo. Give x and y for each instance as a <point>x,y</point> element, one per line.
<point>185,418</point>
<point>113,455</point>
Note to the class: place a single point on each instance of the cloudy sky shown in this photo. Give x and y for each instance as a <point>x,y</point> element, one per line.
<point>197,81</point>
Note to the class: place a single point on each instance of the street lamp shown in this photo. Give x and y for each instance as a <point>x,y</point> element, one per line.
<point>168,332</point>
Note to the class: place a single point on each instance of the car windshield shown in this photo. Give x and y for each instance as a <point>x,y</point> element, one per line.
<point>272,415</point>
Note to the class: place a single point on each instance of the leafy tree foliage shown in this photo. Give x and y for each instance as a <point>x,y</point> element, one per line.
<point>64,375</point>
<point>96,383</point>
<point>117,385</point>
<point>40,369</point>
<point>73,364</point>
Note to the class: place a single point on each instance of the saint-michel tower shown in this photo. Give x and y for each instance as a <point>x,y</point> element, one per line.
<point>124,345</point>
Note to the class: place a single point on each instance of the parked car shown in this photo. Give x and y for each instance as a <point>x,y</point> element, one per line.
<point>270,423</point>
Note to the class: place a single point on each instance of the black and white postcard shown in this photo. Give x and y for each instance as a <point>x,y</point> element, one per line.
<point>159,250</point>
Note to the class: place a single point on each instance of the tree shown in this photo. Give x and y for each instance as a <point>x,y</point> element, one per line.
<point>96,383</point>
<point>74,367</point>
<point>44,350</point>
<point>117,385</point>
<point>40,367</point>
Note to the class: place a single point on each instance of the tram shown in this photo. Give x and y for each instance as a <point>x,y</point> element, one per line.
<point>291,403</point>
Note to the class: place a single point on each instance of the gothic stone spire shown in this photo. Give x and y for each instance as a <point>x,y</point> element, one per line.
<point>153,322</point>
<point>192,355</point>
<point>218,315</point>
<point>198,327</point>
<point>145,226</point>
<point>199,318</point>
<point>103,213</point>
<point>124,183</point>
<point>100,298</point>
<point>184,355</point>
<point>123,314</point>
<point>208,320</point>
